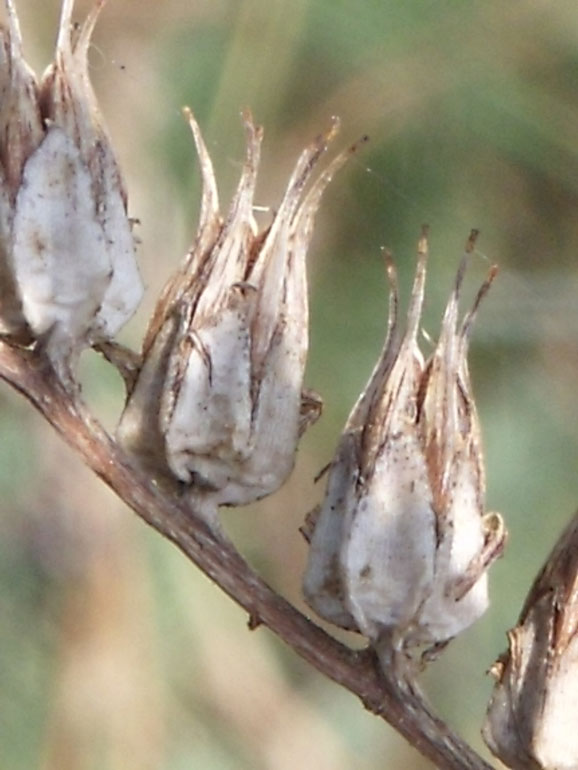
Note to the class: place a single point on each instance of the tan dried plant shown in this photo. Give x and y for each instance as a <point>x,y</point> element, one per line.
<point>216,406</point>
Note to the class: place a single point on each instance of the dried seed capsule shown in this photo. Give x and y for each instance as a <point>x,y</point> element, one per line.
<point>218,402</point>
<point>401,545</point>
<point>67,237</point>
<point>68,101</point>
<point>532,716</point>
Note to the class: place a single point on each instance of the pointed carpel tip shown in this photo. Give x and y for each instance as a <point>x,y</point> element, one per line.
<point>75,38</point>
<point>333,129</point>
<point>247,117</point>
<point>344,155</point>
<point>253,130</point>
<point>423,243</point>
<point>310,158</point>
<point>64,30</point>
<point>88,27</point>
<point>469,249</point>
<point>190,118</point>
<point>387,255</point>
<point>321,142</point>
<point>492,273</point>
<point>482,291</point>
<point>462,270</point>
<point>197,135</point>
<point>13,26</point>
<point>390,269</point>
<point>196,132</point>
<point>10,10</point>
<point>417,292</point>
<point>388,259</point>
<point>472,238</point>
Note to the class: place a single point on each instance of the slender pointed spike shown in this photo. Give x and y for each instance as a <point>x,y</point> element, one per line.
<point>423,243</point>
<point>483,290</point>
<point>14,27</point>
<point>393,291</point>
<point>241,209</point>
<point>471,242</point>
<point>460,277</point>
<point>469,249</point>
<point>307,162</point>
<point>63,43</point>
<point>417,292</point>
<point>210,200</point>
<point>83,42</point>
<point>297,209</point>
<point>332,131</point>
<point>254,136</point>
<point>247,115</point>
<point>313,196</point>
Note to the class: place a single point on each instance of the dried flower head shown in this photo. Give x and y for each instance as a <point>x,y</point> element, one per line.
<point>66,237</point>
<point>218,402</point>
<point>532,716</point>
<point>401,545</point>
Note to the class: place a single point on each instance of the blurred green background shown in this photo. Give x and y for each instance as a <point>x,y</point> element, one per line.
<point>114,652</point>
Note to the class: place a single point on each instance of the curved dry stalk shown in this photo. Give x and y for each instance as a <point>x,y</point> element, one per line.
<point>387,696</point>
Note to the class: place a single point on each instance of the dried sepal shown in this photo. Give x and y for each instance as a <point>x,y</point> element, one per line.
<point>13,325</point>
<point>219,402</point>
<point>532,716</point>
<point>21,123</point>
<point>21,131</point>
<point>402,544</point>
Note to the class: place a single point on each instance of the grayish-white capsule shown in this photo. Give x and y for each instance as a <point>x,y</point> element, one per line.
<point>402,544</point>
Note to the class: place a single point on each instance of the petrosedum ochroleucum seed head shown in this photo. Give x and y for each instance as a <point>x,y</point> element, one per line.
<point>533,713</point>
<point>219,401</point>
<point>67,250</point>
<point>400,546</point>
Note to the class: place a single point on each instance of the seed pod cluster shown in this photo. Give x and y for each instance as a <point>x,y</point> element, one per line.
<point>532,716</point>
<point>219,403</point>
<point>401,545</point>
<point>67,264</point>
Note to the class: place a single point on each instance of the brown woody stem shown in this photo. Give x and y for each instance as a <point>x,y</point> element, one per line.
<point>385,696</point>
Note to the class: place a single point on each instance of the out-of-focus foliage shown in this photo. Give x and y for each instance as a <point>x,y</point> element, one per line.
<point>114,653</point>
